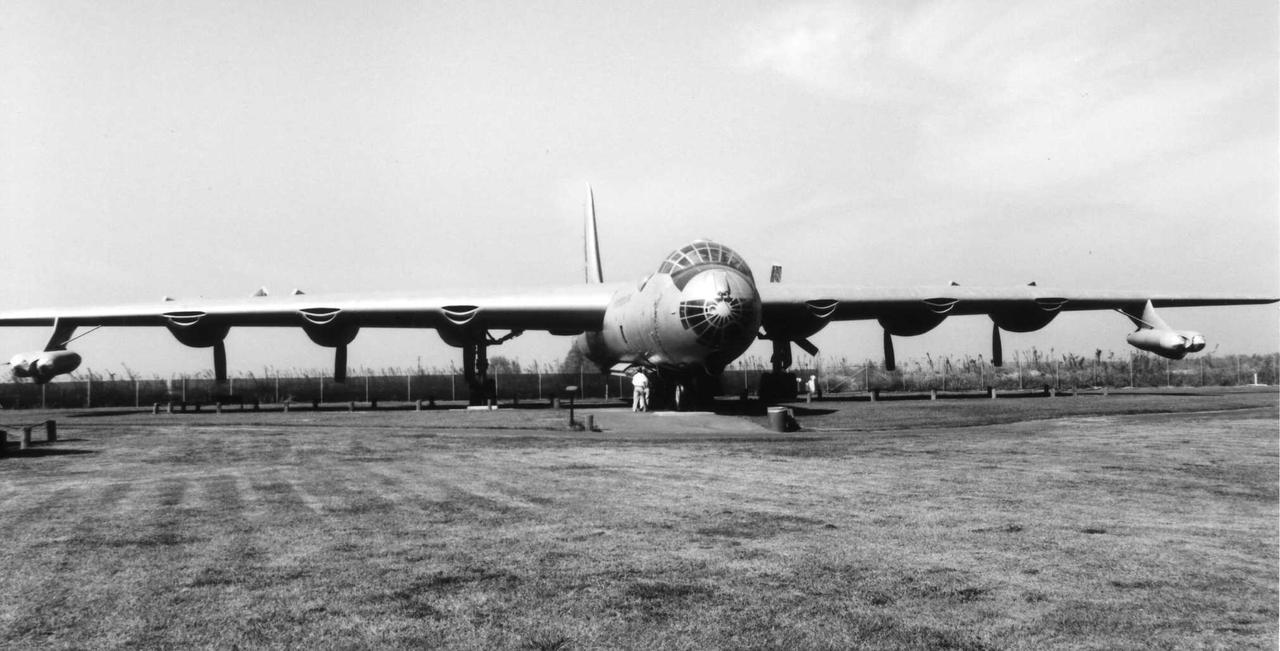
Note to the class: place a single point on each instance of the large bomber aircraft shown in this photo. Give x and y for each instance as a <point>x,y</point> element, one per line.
<point>682,325</point>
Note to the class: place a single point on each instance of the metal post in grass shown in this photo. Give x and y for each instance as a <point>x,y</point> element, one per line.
<point>571,390</point>
<point>26,438</point>
<point>42,389</point>
<point>88,392</point>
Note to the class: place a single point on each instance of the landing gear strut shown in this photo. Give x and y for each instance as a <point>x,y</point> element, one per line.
<point>475,369</point>
<point>778,385</point>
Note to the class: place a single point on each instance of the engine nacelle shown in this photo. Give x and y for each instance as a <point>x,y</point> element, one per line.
<point>911,324</point>
<point>42,366</point>
<point>1173,344</point>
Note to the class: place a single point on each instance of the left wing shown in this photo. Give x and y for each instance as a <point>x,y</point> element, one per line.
<point>793,312</point>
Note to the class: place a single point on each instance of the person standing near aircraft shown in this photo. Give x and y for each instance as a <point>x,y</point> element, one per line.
<point>640,392</point>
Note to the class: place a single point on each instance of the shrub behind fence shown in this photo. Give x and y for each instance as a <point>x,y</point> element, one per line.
<point>1026,372</point>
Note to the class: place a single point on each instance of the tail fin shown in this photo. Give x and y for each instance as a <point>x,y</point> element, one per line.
<point>591,243</point>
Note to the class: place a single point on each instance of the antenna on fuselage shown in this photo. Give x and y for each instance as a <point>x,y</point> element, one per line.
<point>591,243</point>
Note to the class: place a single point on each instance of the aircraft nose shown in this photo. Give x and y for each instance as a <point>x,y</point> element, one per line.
<point>721,308</point>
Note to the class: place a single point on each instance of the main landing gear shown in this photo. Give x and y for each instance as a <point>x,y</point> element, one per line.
<point>483,390</point>
<point>779,384</point>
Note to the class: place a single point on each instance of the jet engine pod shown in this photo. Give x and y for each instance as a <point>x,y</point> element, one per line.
<point>42,366</point>
<point>1165,343</point>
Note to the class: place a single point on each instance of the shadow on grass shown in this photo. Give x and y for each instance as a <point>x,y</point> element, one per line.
<point>13,450</point>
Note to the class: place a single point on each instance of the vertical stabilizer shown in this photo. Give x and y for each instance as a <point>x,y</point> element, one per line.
<point>591,243</point>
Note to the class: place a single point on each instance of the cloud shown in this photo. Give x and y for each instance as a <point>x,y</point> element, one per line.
<point>1026,97</point>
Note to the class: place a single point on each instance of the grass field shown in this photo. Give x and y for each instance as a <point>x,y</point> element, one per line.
<point>1135,521</point>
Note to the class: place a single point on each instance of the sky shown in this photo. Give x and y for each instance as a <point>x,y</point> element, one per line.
<point>205,149</point>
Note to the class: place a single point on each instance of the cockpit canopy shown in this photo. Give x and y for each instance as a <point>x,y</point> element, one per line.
<point>703,252</point>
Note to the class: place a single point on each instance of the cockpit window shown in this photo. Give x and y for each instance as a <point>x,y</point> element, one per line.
<point>703,252</point>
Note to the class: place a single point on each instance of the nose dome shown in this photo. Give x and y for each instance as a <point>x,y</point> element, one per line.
<point>721,308</point>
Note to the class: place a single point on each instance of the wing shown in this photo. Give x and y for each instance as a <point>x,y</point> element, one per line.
<point>785,302</point>
<point>790,313</point>
<point>562,310</point>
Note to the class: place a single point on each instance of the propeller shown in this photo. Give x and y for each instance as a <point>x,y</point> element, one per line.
<point>220,363</point>
<point>807,346</point>
<point>340,364</point>
<point>889,364</point>
<point>997,350</point>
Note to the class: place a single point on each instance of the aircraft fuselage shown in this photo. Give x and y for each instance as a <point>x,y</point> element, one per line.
<point>697,314</point>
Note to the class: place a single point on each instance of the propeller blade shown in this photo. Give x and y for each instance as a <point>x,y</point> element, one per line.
<point>997,350</point>
<point>220,363</point>
<point>807,346</point>
<point>340,364</point>
<point>889,364</point>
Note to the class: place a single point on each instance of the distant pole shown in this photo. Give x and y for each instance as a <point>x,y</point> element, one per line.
<point>42,388</point>
<point>539,384</point>
<point>408,388</point>
<point>321,387</point>
<point>1018,359</point>
<point>453,389</point>
<point>231,385</point>
<point>366,388</point>
<point>135,393</point>
<point>1202,371</point>
<point>1131,358</point>
<point>1168,377</point>
<point>277,387</point>
<point>88,392</point>
<point>184,388</point>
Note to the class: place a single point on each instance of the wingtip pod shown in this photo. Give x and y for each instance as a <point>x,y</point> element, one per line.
<point>591,243</point>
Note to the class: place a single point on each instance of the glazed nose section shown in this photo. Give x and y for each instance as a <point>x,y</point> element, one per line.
<point>721,308</point>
